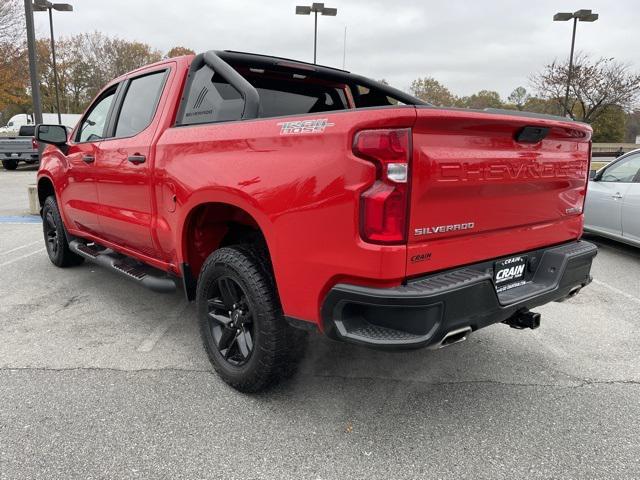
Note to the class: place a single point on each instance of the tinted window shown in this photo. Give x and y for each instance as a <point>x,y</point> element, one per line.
<point>279,102</point>
<point>93,125</point>
<point>211,99</point>
<point>624,171</point>
<point>367,97</point>
<point>27,131</point>
<point>139,104</point>
<point>296,97</point>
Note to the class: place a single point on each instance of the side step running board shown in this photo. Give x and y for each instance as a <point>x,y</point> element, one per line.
<point>147,276</point>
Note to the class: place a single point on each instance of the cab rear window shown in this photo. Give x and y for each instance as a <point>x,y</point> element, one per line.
<point>278,97</point>
<point>213,99</point>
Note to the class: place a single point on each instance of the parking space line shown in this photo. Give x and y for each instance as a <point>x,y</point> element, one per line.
<point>150,342</point>
<point>618,291</point>
<point>22,257</point>
<point>20,219</point>
<point>20,247</point>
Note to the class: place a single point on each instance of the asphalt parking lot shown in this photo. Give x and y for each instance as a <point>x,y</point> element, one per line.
<point>100,378</point>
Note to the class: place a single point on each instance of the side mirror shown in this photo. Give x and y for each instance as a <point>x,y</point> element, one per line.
<point>592,175</point>
<point>53,135</point>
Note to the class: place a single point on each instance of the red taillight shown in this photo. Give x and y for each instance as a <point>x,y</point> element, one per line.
<point>384,205</point>
<point>34,143</point>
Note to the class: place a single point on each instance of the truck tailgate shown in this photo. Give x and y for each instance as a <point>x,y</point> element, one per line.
<point>15,145</point>
<point>486,185</point>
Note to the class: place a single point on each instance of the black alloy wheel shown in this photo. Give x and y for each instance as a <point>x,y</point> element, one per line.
<point>230,320</point>
<point>243,330</point>
<point>50,234</point>
<point>55,237</point>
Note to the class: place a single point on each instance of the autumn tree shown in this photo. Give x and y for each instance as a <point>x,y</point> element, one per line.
<point>178,52</point>
<point>85,63</point>
<point>541,105</point>
<point>123,56</point>
<point>609,127</point>
<point>519,97</point>
<point>432,91</point>
<point>102,58</point>
<point>13,67</point>
<point>481,100</point>
<point>632,126</point>
<point>596,84</point>
<point>14,73</point>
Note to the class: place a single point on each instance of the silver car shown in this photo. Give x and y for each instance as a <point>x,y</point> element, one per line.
<point>612,208</point>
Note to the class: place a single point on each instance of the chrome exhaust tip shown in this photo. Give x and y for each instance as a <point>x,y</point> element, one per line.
<point>455,336</point>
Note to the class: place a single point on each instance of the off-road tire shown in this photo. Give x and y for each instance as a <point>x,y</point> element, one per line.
<point>55,237</point>
<point>276,345</point>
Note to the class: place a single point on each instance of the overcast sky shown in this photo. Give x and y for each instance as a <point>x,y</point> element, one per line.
<point>466,45</point>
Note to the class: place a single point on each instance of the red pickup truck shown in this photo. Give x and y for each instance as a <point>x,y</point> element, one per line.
<point>285,197</point>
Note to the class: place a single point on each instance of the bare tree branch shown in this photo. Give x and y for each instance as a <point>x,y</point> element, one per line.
<point>11,22</point>
<point>595,85</point>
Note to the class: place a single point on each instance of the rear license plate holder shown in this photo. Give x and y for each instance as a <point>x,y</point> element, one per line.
<point>509,273</point>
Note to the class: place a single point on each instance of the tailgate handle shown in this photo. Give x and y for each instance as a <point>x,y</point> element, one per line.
<point>532,134</point>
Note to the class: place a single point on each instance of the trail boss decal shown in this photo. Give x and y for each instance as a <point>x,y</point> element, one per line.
<point>304,126</point>
<point>509,273</point>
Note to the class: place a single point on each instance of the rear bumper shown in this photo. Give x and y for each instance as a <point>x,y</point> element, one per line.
<point>422,312</point>
<point>25,156</point>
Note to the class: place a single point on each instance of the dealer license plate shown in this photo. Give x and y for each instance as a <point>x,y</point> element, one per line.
<point>509,273</point>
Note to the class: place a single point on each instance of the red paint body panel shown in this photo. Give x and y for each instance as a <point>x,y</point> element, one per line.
<point>303,191</point>
<point>125,190</point>
<point>468,168</point>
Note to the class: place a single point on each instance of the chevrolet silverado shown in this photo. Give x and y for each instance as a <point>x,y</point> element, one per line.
<point>287,197</point>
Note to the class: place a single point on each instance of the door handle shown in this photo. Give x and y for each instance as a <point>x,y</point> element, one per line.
<point>616,195</point>
<point>137,159</point>
<point>88,159</point>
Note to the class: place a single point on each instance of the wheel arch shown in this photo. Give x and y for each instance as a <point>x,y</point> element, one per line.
<point>209,225</point>
<point>46,188</point>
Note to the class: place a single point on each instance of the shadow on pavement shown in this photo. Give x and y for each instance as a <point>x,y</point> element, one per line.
<point>620,247</point>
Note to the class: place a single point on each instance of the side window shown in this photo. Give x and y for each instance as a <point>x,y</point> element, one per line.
<point>624,171</point>
<point>93,124</point>
<point>367,97</point>
<point>211,99</point>
<point>139,105</point>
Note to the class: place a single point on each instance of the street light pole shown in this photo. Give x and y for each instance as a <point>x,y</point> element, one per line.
<point>55,69</point>
<point>573,44</point>
<point>583,16</point>
<point>322,10</point>
<point>41,6</point>
<point>33,66</point>
<point>315,36</point>
<point>344,48</point>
